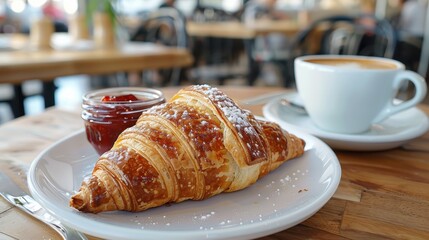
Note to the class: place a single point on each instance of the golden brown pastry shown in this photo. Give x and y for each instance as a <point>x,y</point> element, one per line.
<point>197,145</point>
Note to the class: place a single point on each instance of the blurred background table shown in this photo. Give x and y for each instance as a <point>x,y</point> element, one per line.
<point>19,65</point>
<point>382,195</point>
<point>240,30</point>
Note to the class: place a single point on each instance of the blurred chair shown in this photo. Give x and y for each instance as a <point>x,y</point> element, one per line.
<point>166,26</point>
<point>273,48</point>
<point>268,50</point>
<point>216,58</point>
<point>363,35</point>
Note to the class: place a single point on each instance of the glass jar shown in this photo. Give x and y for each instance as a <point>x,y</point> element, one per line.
<point>108,112</point>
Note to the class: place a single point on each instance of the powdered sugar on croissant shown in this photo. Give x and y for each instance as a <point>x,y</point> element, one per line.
<point>198,144</point>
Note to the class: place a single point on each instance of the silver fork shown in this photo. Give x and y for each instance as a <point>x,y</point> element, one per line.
<point>10,191</point>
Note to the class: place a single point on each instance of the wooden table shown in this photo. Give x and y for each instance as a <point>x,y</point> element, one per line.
<point>239,30</point>
<point>25,64</point>
<point>382,195</point>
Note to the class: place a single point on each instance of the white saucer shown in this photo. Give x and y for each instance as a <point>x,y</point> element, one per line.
<point>391,133</point>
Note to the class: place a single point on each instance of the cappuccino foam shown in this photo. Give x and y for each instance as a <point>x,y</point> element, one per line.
<point>354,63</point>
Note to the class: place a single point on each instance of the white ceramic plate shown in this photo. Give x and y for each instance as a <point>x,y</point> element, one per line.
<point>392,132</point>
<point>282,199</point>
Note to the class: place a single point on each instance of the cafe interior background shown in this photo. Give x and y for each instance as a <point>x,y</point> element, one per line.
<point>217,60</point>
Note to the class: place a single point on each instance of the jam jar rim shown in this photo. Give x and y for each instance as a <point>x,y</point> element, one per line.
<point>87,97</point>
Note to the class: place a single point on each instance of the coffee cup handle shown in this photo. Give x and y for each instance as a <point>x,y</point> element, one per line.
<point>420,86</point>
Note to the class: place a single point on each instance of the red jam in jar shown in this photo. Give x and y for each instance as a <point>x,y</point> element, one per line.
<point>108,112</point>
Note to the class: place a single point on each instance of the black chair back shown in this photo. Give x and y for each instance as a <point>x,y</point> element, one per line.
<point>166,26</point>
<point>355,35</point>
<point>363,35</point>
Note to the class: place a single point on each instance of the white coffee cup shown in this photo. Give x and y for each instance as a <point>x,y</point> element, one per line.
<point>347,94</point>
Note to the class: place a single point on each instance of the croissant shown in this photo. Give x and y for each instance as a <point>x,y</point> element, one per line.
<point>197,145</point>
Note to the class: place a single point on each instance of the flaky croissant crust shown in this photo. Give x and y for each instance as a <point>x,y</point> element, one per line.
<point>198,144</point>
